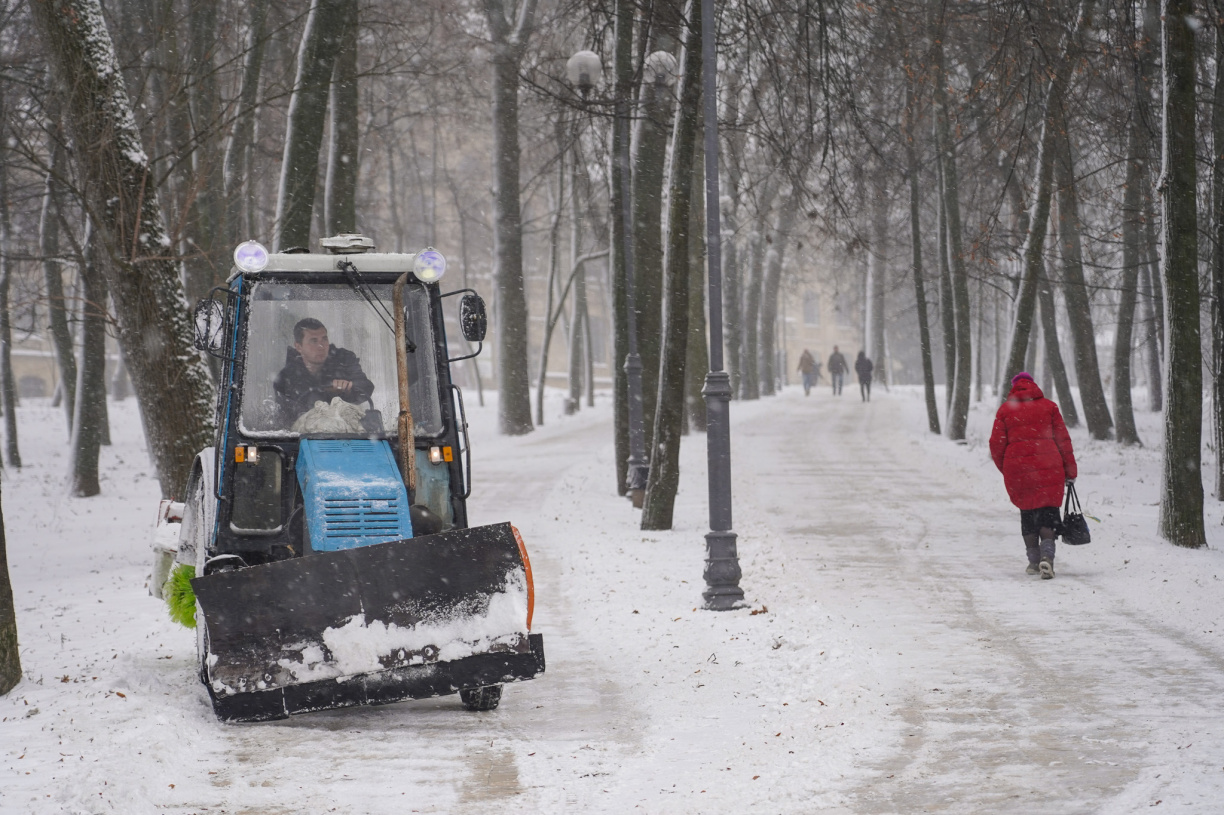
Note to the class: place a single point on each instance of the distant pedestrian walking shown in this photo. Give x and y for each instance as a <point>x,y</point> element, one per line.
<point>810,370</point>
<point>863,367</point>
<point>1030,446</point>
<point>837,370</point>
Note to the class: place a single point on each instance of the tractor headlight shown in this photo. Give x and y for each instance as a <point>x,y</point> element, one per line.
<point>250,257</point>
<point>429,265</point>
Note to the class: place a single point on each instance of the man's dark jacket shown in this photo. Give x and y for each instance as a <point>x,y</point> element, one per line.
<point>297,389</point>
<point>837,363</point>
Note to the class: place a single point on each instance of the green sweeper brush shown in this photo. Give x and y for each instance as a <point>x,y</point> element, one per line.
<point>180,597</point>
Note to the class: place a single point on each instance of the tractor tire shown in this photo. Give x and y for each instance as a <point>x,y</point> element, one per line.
<point>486,698</point>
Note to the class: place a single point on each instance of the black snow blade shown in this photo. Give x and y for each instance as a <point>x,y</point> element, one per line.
<point>384,687</point>
<point>408,619</point>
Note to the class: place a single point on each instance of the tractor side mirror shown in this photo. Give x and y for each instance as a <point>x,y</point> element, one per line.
<point>473,319</point>
<point>210,326</point>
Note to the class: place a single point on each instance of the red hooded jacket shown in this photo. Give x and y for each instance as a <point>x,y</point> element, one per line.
<point>1030,446</point>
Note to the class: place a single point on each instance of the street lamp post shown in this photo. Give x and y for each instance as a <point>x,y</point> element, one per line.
<point>583,68</point>
<point>722,570</point>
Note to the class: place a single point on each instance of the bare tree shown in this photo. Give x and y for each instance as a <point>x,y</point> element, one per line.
<point>321,42</point>
<point>1055,366</point>
<point>239,149</point>
<point>1181,503</point>
<point>774,259</point>
<point>171,380</point>
<point>1034,246</point>
<point>53,278</point>
<point>343,156</point>
<point>10,656</point>
<point>1075,289</point>
<point>924,331</point>
<point>664,479</point>
<point>1132,199</point>
<point>89,411</point>
<point>622,68</point>
<point>509,30</point>
<point>1217,258</point>
<point>8,385</point>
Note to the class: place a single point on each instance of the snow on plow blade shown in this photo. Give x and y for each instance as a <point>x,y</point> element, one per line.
<point>408,619</point>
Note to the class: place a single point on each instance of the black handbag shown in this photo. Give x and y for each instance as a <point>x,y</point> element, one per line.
<point>1074,526</point>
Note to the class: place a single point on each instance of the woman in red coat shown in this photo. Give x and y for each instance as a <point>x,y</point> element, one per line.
<point>1030,446</point>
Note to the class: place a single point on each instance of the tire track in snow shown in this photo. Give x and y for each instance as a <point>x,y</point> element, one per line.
<point>1012,694</point>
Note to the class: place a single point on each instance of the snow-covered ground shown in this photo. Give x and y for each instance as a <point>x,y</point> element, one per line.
<point>893,656</point>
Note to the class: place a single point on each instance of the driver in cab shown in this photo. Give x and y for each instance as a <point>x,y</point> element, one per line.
<point>317,371</point>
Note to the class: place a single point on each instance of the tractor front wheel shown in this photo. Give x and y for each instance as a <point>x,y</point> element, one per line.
<point>486,698</point>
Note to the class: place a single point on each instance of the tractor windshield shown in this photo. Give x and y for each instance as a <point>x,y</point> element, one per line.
<point>320,360</point>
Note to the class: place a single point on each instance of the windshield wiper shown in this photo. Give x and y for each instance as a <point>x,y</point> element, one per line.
<point>358,284</point>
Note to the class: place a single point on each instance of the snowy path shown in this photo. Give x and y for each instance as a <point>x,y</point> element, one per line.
<point>1016,695</point>
<point>904,664</point>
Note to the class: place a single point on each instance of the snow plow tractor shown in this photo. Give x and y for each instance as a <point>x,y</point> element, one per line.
<point>323,551</point>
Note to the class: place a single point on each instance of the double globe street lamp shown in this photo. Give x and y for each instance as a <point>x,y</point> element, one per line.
<point>584,69</point>
<point>722,570</point>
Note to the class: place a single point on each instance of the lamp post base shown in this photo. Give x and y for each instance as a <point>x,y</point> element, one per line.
<point>722,573</point>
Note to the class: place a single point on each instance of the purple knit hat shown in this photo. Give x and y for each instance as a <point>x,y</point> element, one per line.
<point>1022,375</point>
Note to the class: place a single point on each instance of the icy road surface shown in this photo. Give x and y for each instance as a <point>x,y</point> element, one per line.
<point>893,657</point>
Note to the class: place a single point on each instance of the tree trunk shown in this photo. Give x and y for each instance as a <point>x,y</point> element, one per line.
<point>772,283</point>
<point>57,312</point>
<point>171,380</point>
<point>554,264</point>
<point>1151,341</point>
<point>947,316</point>
<point>514,402</point>
<point>650,156</point>
<point>1053,349</point>
<point>924,329</point>
<point>623,69</point>
<point>877,271</point>
<point>733,301</point>
<point>750,382</point>
<point>580,184</point>
<point>664,479</point>
<point>1217,261</point>
<point>120,387</point>
<point>204,262</point>
<point>239,165</point>
<point>321,42</point>
<point>343,157</point>
<point>1181,505</point>
<point>958,414</point>
<point>1132,203</point>
<point>697,365</point>
<point>981,348</point>
<point>89,410</point>
<point>1075,289</point>
<point>8,384</point>
<point>733,306</point>
<point>1034,245</point>
<point>10,656</point>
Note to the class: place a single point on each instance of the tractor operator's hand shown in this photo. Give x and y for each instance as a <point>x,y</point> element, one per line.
<point>342,385</point>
